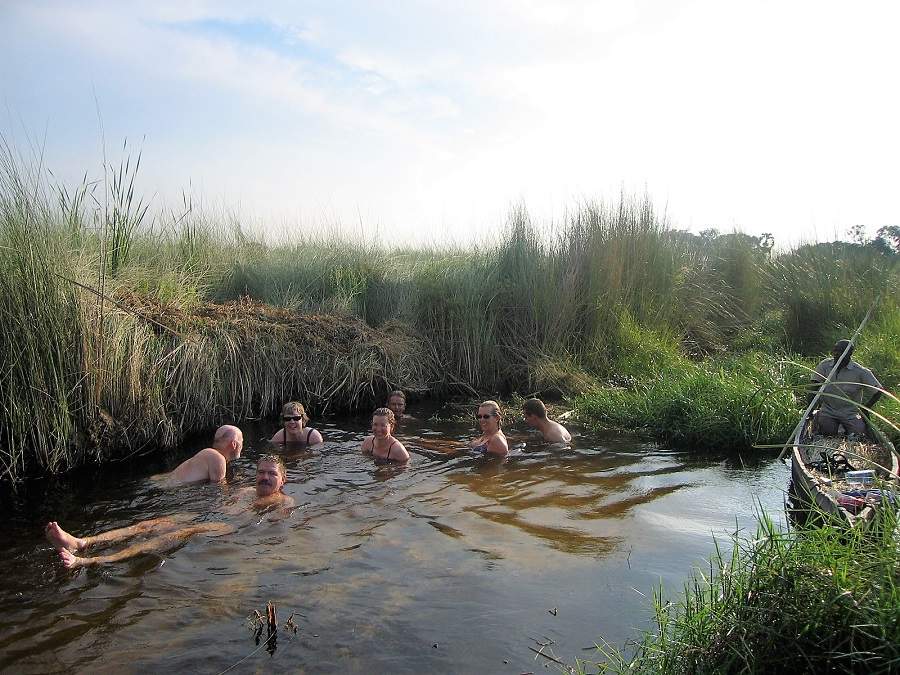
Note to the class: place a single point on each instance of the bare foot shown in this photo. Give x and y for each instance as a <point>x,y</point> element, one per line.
<point>69,559</point>
<point>62,539</point>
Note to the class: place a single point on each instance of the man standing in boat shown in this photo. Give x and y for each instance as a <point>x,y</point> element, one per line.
<point>851,385</point>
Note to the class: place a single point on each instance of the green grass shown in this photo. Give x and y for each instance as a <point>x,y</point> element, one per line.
<point>612,304</point>
<point>804,600</point>
<point>724,403</point>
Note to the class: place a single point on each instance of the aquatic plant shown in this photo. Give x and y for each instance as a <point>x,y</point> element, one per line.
<point>114,312</point>
<point>722,403</point>
<point>818,599</point>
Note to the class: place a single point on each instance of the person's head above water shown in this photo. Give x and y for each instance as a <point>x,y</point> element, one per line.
<point>397,402</point>
<point>534,407</point>
<point>293,409</point>
<point>383,422</point>
<point>489,413</point>
<point>229,440</point>
<point>270,475</point>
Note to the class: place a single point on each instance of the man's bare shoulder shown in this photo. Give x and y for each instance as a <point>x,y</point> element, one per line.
<point>207,464</point>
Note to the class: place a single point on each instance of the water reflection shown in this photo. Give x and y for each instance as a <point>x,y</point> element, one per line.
<point>379,562</point>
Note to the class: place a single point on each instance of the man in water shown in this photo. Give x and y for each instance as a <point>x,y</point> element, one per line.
<point>210,463</point>
<point>166,533</point>
<point>851,384</point>
<point>535,413</point>
<point>397,404</point>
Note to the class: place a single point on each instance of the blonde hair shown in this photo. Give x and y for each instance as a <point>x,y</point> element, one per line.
<point>294,407</point>
<point>386,412</point>
<point>495,409</point>
<point>277,461</point>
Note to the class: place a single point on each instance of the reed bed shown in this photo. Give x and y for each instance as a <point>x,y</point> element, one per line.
<point>101,299</point>
<point>805,600</point>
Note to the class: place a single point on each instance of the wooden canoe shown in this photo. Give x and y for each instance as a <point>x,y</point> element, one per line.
<point>816,491</point>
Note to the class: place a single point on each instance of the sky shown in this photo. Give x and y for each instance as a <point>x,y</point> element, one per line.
<point>420,121</point>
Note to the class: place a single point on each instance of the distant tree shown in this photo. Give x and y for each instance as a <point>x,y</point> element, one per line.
<point>857,234</point>
<point>767,241</point>
<point>888,238</point>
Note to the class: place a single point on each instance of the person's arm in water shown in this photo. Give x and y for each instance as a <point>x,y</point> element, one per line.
<point>216,467</point>
<point>314,438</point>
<point>367,447</point>
<point>497,445</point>
<point>278,438</point>
<point>399,453</point>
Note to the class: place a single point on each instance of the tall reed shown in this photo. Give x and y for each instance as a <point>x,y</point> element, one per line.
<point>613,295</point>
<point>805,600</point>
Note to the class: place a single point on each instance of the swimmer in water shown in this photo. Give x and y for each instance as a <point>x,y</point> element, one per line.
<point>167,533</point>
<point>293,431</point>
<point>396,401</point>
<point>535,414</point>
<point>492,440</point>
<point>381,444</point>
<point>210,463</point>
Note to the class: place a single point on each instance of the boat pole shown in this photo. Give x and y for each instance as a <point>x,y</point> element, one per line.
<point>834,368</point>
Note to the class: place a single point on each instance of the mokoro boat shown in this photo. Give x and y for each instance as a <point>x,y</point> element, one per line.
<point>823,489</point>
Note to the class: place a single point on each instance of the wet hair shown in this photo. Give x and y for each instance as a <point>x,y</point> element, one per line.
<point>277,461</point>
<point>495,409</point>
<point>397,392</point>
<point>535,406</point>
<point>294,407</point>
<point>386,412</point>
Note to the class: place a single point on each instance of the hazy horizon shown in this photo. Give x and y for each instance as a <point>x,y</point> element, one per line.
<point>423,122</point>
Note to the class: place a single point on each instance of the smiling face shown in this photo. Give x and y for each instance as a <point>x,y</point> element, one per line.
<point>381,426</point>
<point>269,478</point>
<point>292,420</point>
<point>488,421</point>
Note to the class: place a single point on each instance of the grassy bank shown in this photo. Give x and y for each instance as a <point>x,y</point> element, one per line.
<point>125,328</point>
<point>806,600</point>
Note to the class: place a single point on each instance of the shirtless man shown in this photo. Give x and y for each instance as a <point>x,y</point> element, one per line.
<point>209,464</point>
<point>536,416</point>
<point>166,533</point>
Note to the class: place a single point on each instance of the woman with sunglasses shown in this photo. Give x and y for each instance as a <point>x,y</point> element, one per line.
<point>293,432</point>
<point>492,441</point>
<point>382,445</point>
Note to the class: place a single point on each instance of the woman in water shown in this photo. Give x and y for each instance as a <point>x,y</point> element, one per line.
<point>293,432</point>
<point>381,444</point>
<point>492,441</point>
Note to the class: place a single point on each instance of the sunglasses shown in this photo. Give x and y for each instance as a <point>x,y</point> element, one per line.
<point>292,418</point>
<point>484,417</point>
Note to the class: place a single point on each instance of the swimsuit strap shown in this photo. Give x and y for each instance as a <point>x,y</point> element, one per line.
<point>309,431</point>
<point>388,455</point>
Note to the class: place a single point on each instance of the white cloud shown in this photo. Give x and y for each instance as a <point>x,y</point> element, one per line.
<point>776,116</point>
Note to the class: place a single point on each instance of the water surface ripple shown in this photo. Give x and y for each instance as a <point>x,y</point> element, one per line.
<point>451,564</point>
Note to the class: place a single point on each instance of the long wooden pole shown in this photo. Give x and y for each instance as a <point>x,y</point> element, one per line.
<point>834,369</point>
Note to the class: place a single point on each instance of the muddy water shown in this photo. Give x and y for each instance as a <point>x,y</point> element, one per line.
<point>453,564</point>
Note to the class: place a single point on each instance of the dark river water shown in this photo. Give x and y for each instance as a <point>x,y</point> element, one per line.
<point>452,564</point>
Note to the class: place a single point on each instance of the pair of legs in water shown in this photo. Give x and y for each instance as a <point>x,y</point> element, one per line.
<point>162,533</point>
